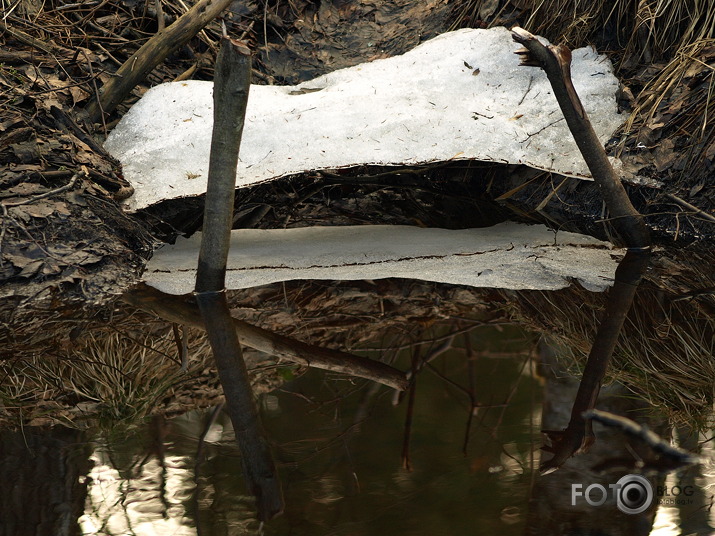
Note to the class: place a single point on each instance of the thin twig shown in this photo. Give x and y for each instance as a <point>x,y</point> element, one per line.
<point>68,186</point>
<point>687,205</point>
<point>96,93</point>
<point>677,457</point>
<point>431,356</point>
<point>160,24</point>
<point>406,462</point>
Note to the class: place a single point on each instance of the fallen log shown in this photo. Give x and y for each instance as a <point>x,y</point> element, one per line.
<point>151,54</point>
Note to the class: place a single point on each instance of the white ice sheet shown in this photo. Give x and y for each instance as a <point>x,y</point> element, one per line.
<point>461,95</point>
<point>508,255</point>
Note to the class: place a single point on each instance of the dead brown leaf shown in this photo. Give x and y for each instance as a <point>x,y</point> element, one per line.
<point>25,189</point>
<point>41,209</point>
<point>665,156</point>
<point>31,268</point>
<point>78,95</point>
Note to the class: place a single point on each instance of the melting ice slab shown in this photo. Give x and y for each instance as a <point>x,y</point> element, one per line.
<point>461,95</point>
<point>508,255</point>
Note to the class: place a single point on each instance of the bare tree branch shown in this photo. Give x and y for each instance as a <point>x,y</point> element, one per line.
<point>183,310</point>
<point>151,54</point>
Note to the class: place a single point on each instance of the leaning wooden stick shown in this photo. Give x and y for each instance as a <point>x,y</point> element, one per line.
<point>231,86</point>
<point>151,54</point>
<point>578,435</point>
<point>556,62</point>
<point>183,310</point>
<point>629,224</point>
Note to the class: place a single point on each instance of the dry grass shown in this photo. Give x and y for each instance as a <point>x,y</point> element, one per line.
<point>664,354</point>
<point>117,373</point>
<point>74,366</point>
<point>575,22</point>
<point>645,30</point>
<point>672,358</point>
<point>679,102</point>
<point>664,28</point>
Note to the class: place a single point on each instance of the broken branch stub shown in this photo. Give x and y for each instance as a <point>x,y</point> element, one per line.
<point>556,63</point>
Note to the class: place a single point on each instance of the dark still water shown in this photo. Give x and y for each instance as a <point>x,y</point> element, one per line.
<point>339,448</point>
<point>342,454</point>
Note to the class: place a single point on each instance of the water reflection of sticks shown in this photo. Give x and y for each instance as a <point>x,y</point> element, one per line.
<point>671,457</point>
<point>628,224</point>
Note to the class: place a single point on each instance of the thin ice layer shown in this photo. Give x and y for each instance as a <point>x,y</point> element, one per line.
<point>508,255</point>
<point>461,95</point>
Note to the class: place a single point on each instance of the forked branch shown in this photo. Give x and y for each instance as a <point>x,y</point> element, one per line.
<point>556,62</point>
<point>629,224</point>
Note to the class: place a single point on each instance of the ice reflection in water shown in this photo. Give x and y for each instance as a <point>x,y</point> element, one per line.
<point>149,497</point>
<point>691,510</point>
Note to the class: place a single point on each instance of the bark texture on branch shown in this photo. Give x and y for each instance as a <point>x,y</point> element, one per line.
<point>671,457</point>
<point>232,82</point>
<point>629,224</point>
<point>151,54</point>
<point>578,435</point>
<point>556,62</point>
